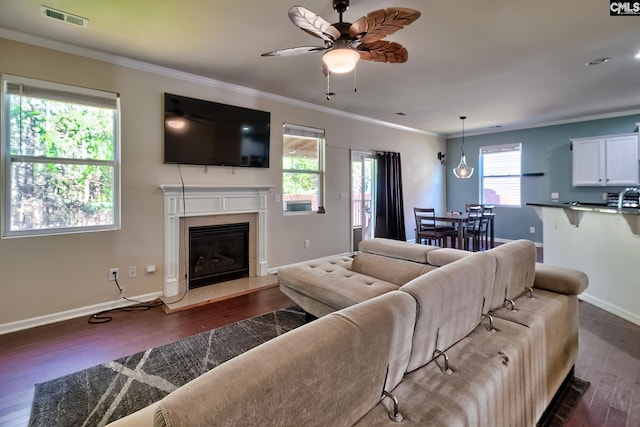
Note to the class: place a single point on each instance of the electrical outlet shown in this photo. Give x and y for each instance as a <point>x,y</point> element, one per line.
<point>114,274</point>
<point>306,243</point>
<point>555,196</point>
<point>532,230</point>
<point>277,198</point>
<point>132,271</point>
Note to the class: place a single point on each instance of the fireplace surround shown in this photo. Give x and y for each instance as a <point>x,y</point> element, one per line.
<point>195,205</point>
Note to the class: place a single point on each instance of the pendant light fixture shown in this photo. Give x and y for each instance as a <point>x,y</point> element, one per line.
<point>462,170</point>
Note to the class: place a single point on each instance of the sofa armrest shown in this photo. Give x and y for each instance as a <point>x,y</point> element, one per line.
<point>560,279</point>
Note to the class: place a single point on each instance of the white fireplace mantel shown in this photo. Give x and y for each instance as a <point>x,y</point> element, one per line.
<point>201,200</point>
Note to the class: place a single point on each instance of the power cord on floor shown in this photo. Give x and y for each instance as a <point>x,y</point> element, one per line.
<point>139,306</point>
<point>101,318</point>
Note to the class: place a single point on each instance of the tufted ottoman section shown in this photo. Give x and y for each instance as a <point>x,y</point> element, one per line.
<point>322,287</point>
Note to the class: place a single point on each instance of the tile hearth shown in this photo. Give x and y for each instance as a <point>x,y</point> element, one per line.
<point>218,292</point>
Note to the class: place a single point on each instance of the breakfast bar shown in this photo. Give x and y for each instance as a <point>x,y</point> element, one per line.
<point>602,241</point>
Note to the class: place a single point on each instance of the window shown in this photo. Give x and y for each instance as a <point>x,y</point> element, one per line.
<point>60,162</point>
<point>500,174</point>
<point>302,169</point>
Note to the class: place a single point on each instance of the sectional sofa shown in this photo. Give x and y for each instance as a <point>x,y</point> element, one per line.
<point>474,339</point>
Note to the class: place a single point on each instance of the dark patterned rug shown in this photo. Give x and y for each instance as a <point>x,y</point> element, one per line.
<point>105,393</point>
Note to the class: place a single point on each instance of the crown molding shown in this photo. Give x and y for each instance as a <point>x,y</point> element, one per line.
<point>193,78</point>
<point>533,125</point>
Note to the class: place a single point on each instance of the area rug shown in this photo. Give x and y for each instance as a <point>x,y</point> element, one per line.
<point>105,393</point>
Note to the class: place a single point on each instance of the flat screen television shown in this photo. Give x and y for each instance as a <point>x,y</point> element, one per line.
<point>199,132</point>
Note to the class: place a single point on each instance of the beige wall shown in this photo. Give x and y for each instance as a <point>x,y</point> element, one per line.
<point>41,276</point>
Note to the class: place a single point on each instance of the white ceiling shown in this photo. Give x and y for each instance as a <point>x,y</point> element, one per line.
<point>508,63</point>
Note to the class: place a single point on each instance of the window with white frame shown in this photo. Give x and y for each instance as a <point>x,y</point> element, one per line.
<point>60,158</point>
<point>302,168</point>
<point>500,170</point>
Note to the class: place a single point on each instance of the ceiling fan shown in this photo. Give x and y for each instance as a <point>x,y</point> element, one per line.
<point>345,43</point>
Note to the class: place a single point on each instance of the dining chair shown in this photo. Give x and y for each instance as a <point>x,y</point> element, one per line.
<point>470,230</point>
<point>426,227</point>
<point>483,229</point>
<point>469,205</point>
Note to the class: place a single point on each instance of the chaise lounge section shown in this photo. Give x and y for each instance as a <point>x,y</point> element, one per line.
<point>383,265</point>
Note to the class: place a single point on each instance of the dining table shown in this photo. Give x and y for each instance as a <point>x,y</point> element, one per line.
<point>459,218</point>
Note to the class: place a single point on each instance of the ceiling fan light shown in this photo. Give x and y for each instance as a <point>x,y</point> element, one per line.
<point>462,170</point>
<point>341,60</point>
<point>177,123</point>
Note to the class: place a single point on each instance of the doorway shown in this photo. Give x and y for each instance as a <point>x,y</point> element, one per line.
<point>363,186</point>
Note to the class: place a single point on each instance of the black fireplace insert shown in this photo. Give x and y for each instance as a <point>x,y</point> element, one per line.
<point>218,253</point>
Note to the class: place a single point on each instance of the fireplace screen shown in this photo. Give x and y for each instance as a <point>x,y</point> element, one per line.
<point>218,253</point>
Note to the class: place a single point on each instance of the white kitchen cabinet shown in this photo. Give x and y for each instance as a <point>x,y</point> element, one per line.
<point>606,160</point>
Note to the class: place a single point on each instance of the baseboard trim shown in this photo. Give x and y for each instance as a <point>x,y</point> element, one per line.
<point>498,240</point>
<point>613,309</point>
<point>33,322</point>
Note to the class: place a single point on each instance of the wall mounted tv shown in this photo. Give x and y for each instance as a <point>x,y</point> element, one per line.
<point>201,132</point>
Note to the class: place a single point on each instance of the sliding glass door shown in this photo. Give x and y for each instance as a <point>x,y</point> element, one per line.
<point>362,196</point>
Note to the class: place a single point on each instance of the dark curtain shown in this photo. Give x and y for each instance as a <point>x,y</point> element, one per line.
<point>389,205</point>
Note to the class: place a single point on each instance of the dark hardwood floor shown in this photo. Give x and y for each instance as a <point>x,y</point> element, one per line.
<point>47,352</point>
<point>609,353</point>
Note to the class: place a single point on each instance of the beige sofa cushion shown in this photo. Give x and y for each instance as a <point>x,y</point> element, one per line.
<point>330,371</point>
<point>396,249</point>
<point>553,318</point>
<point>399,310</point>
<point>333,285</point>
<point>493,384</point>
<point>560,279</point>
<point>451,301</point>
<point>310,305</point>
<point>396,271</point>
<point>446,256</point>
<point>515,270</point>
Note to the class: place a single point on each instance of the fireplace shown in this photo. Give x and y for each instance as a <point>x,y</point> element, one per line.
<point>200,205</point>
<point>218,253</point>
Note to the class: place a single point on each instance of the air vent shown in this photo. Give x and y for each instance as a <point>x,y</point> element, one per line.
<point>64,16</point>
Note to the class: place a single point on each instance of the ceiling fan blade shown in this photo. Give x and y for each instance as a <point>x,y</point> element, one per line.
<point>383,51</point>
<point>293,51</point>
<point>381,23</point>
<point>313,24</point>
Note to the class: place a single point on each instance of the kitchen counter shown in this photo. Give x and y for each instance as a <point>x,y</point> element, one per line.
<point>588,207</point>
<point>602,241</point>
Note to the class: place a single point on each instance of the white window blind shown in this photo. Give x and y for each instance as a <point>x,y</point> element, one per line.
<point>60,152</point>
<point>500,167</point>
